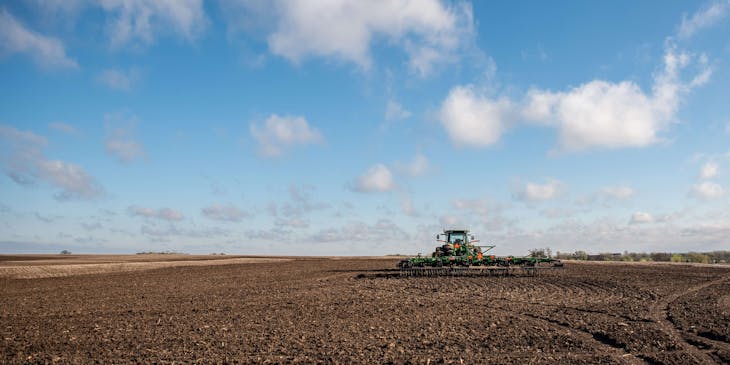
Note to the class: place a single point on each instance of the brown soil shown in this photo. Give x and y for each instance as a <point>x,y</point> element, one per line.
<point>354,311</point>
<point>48,266</point>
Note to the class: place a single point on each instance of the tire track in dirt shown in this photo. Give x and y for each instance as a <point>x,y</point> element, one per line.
<point>704,341</point>
<point>659,312</point>
<point>561,294</point>
<point>616,350</point>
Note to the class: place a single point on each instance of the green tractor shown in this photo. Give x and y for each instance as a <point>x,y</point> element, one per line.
<point>460,254</point>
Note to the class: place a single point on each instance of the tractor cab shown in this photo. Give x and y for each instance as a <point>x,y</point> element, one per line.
<point>456,243</point>
<point>456,237</point>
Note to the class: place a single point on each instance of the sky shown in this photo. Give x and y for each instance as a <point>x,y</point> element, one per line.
<point>349,127</point>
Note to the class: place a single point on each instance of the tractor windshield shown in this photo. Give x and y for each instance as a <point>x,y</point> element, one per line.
<point>457,236</point>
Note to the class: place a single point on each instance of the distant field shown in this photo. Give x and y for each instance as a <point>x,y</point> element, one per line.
<point>219,309</point>
<point>43,266</point>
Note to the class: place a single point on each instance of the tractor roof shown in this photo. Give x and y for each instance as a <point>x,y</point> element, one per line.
<point>447,231</point>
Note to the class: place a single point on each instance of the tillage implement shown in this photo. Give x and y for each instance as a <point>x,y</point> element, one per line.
<point>460,255</point>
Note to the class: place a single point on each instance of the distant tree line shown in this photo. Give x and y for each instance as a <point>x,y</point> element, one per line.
<point>713,257</point>
<point>541,252</point>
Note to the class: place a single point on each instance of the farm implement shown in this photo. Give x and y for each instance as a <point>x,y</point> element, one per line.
<point>459,255</point>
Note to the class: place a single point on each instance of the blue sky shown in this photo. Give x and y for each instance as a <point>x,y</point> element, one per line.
<point>349,127</point>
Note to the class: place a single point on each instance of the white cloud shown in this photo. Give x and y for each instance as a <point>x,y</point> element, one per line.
<point>281,132</point>
<point>474,120</point>
<point>395,111</point>
<point>430,31</point>
<point>600,113</point>
<point>167,214</point>
<point>708,190</point>
<point>46,51</point>
<point>709,170</point>
<point>617,192</point>
<point>703,18</point>
<point>23,161</point>
<point>535,192</point>
<point>137,22</point>
<point>377,178</point>
<point>612,115</point>
<point>227,213</point>
<point>117,79</point>
<point>596,114</point>
<point>120,141</point>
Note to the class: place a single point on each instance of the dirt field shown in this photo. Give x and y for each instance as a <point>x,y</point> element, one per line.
<point>351,311</point>
<point>48,266</point>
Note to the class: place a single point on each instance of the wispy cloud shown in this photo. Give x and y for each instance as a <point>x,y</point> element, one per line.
<point>301,202</point>
<point>46,51</point>
<point>24,162</point>
<point>226,213</point>
<point>165,231</point>
<point>419,166</point>
<point>167,214</point>
<point>384,230</point>
<point>703,18</point>
<point>395,111</point>
<point>708,190</point>
<point>139,22</point>
<point>119,79</point>
<point>617,192</point>
<point>709,170</point>
<point>641,218</point>
<point>64,128</point>
<point>120,139</point>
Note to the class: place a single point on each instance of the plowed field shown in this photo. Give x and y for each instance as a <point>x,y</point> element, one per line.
<point>350,311</point>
